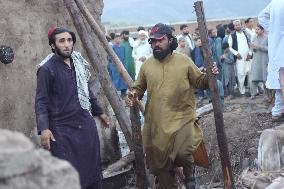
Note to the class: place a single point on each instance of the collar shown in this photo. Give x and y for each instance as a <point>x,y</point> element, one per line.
<point>60,59</point>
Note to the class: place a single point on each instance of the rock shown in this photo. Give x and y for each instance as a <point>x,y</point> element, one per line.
<point>24,167</point>
<point>277,183</point>
<point>271,149</point>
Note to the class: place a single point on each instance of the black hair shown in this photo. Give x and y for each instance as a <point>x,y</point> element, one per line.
<point>58,31</point>
<point>260,26</point>
<point>140,28</point>
<point>225,45</point>
<point>182,26</point>
<point>125,32</point>
<point>225,26</point>
<point>247,20</point>
<point>218,26</point>
<point>221,32</point>
<point>231,26</point>
<point>112,35</point>
<point>108,38</point>
<point>174,43</point>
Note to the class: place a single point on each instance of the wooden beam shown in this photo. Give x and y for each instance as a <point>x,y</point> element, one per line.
<point>101,70</point>
<point>218,113</point>
<point>141,178</point>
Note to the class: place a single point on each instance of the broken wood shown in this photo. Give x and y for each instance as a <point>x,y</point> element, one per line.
<point>119,165</point>
<point>141,178</point>
<point>218,113</point>
<point>101,36</point>
<point>101,70</point>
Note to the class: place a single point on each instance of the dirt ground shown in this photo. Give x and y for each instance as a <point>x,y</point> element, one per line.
<point>244,119</point>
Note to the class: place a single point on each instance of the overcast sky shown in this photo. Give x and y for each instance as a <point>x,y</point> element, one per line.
<point>153,11</point>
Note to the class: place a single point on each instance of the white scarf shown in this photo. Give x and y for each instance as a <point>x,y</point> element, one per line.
<point>82,69</point>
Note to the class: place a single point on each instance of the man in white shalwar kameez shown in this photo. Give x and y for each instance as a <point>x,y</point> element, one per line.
<point>239,45</point>
<point>272,19</point>
<point>249,28</point>
<point>141,51</point>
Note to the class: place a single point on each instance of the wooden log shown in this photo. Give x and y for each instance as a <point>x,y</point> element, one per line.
<point>141,178</point>
<point>119,165</point>
<point>101,36</point>
<point>101,70</point>
<point>218,113</point>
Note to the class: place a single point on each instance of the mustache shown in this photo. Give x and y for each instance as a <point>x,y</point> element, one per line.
<point>158,48</point>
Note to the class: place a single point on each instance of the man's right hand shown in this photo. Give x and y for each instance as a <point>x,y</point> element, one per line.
<point>142,58</point>
<point>239,57</point>
<point>131,98</point>
<point>46,136</point>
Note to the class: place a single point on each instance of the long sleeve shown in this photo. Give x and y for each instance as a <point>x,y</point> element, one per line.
<point>96,107</point>
<point>134,53</point>
<point>264,17</point>
<point>230,42</point>
<point>140,84</point>
<point>264,47</point>
<point>42,99</point>
<point>197,78</point>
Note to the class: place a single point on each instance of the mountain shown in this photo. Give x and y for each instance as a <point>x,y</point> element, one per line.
<point>168,11</point>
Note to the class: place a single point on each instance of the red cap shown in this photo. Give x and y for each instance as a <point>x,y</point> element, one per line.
<point>50,31</point>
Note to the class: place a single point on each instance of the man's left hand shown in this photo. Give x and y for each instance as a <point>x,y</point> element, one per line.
<point>215,69</point>
<point>105,120</point>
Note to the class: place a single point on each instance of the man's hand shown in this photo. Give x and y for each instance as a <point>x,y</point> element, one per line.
<point>131,98</point>
<point>222,58</point>
<point>239,57</point>
<point>105,120</point>
<point>215,69</point>
<point>46,136</point>
<point>254,47</point>
<point>248,57</point>
<point>142,58</point>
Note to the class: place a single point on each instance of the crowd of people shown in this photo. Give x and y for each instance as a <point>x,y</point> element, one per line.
<point>240,52</point>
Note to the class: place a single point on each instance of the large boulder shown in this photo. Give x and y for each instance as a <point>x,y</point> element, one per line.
<point>24,167</point>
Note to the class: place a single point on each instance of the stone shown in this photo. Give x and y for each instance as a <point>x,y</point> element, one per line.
<point>24,167</point>
<point>271,149</point>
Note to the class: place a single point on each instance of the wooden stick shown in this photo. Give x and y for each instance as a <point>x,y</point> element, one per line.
<point>218,114</point>
<point>119,165</point>
<point>101,36</point>
<point>141,178</point>
<point>101,70</point>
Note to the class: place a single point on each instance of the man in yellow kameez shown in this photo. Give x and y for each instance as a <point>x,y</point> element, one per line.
<point>170,134</point>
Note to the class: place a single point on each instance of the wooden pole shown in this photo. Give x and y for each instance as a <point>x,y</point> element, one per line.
<point>218,113</point>
<point>101,36</point>
<point>141,178</point>
<point>101,70</point>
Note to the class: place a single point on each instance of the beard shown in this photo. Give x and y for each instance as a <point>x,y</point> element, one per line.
<point>126,38</point>
<point>185,33</point>
<point>160,53</point>
<point>64,54</point>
